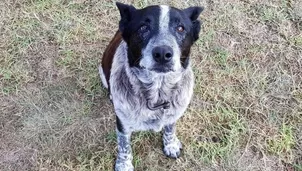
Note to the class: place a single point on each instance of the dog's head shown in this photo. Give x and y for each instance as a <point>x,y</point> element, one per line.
<point>159,38</point>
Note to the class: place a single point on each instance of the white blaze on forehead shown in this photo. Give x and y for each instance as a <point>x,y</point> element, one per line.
<point>164,18</point>
<point>166,37</point>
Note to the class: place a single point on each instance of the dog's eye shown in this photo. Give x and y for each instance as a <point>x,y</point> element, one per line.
<point>144,31</point>
<point>143,28</point>
<point>180,29</point>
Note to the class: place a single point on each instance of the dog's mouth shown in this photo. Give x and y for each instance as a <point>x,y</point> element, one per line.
<point>162,68</point>
<point>159,68</point>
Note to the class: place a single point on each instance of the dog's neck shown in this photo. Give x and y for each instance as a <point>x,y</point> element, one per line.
<point>156,88</point>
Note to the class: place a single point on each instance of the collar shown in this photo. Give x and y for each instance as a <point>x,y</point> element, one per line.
<point>164,105</point>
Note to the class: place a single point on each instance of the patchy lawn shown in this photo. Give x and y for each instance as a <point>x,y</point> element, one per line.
<point>246,114</point>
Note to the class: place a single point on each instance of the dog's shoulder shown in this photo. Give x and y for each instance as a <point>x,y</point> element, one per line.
<point>109,55</point>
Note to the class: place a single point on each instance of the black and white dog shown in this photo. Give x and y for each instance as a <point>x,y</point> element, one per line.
<point>146,68</point>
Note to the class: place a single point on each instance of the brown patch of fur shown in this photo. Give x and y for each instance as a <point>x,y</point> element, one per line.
<point>109,54</point>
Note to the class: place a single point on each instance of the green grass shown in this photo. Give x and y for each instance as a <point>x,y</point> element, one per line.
<point>220,57</point>
<point>297,40</point>
<point>222,135</point>
<point>272,14</point>
<point>246,113</point>
<point>282,144</point>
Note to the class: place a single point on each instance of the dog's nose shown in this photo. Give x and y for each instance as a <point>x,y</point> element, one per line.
<point>162,54</point>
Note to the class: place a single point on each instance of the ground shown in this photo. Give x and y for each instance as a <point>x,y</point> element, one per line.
<point>246,114</point>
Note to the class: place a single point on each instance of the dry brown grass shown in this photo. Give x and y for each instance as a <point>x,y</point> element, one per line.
<point>247,108</point>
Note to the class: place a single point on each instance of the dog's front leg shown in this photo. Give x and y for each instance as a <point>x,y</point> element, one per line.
<point>124,156</point>
<point>172,145</point>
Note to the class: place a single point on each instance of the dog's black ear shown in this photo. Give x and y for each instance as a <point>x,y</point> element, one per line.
<point>196,29</point>
<point>193,12</point>
<point>126,12</point>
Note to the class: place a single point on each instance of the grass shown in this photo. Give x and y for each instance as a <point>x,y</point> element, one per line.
<point>282,144</point>
<point>222,135</point>
<point>246,113</point>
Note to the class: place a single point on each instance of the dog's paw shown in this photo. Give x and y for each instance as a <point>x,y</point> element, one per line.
<point>173,148</point>
<point>124,166</point>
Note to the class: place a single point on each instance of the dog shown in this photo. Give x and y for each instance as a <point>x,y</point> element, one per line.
<point>146,68</point>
